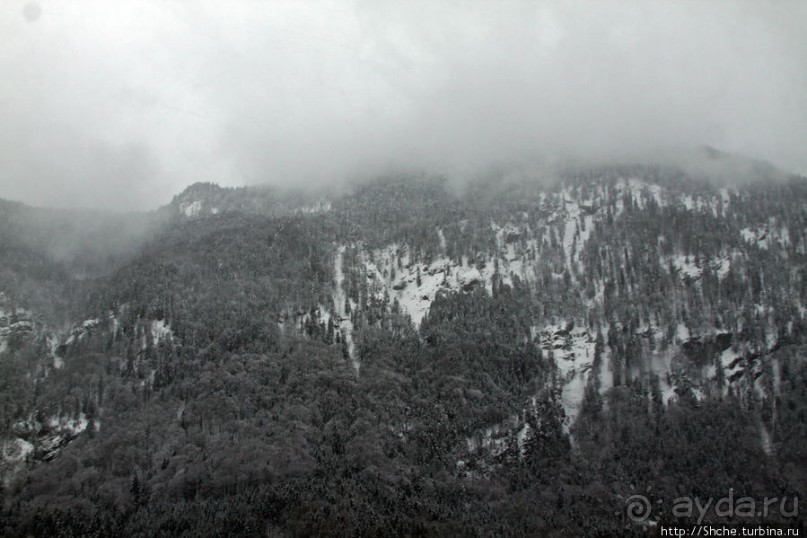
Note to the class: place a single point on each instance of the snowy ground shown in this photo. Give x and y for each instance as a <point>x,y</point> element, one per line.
<point>344,324</point>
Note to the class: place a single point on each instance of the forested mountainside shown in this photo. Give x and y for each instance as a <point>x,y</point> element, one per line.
<point>513,358</point>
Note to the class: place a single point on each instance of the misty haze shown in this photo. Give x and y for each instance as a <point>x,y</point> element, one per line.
<point>387,268</point>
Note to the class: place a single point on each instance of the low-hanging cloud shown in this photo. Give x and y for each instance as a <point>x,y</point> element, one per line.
<point>123,104</point>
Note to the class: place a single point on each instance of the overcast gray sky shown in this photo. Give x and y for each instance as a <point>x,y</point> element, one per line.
<point>121,104</point>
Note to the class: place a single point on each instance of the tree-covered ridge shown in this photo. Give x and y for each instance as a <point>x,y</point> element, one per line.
<point>274,367</point>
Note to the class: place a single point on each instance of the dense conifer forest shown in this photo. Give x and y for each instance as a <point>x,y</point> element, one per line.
<point>407,357</point>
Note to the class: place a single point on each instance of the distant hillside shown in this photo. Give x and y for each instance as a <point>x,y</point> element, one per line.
<point>513,357</point>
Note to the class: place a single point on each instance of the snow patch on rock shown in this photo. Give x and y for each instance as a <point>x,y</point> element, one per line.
<point>313,209</point>
<point>687,267</point>
<point>190,209</point>
<point>160,331</point>
<point>13,320</point>
<point>573,351</point>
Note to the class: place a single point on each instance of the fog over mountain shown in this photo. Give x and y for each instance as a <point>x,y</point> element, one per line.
<point>402,268</point>
<point>121,105</point>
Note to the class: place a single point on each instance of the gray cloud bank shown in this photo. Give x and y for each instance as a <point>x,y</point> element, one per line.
<point>122,104</point>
